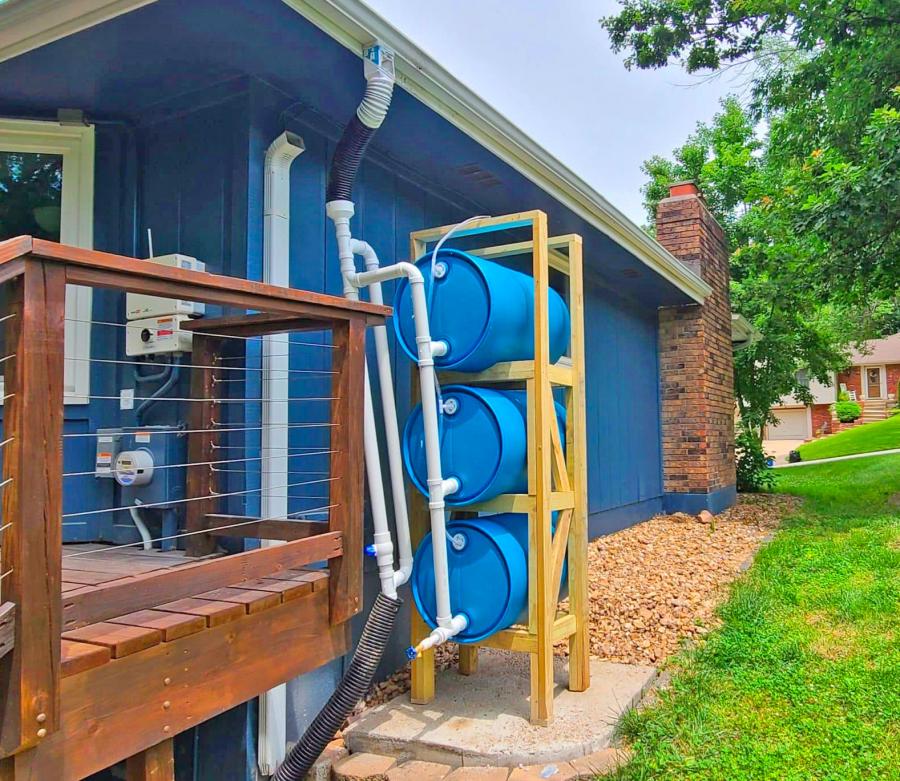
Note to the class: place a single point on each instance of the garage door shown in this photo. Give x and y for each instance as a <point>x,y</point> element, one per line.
<point>792,424</point>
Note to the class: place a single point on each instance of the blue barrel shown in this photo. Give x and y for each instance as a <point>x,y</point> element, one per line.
<point>483,443</point>
<point>488,567</point>
<point>484,311</point>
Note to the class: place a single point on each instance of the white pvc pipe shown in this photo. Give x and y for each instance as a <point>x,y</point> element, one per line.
<point>391,425</point>
<point>448,624</point>
<point>340,213</point>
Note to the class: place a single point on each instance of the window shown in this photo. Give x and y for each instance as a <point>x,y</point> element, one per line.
<point>47,191</point>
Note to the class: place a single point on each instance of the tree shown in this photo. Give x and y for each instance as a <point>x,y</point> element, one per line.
<point>771,285</point>
<point>825,77</point>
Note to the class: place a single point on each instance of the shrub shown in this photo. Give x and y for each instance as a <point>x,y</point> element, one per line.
<point>753,472</point>
<point>843,396</point>
<point>847,411</point>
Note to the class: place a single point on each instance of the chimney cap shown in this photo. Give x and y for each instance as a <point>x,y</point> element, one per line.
<point>687,187</point>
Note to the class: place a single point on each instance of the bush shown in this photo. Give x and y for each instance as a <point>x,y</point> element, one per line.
<point>843,396</point>
<point>753,472</point>
<point>847,411</point>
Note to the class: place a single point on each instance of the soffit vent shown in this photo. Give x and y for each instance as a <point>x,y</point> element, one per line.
<point>475,173</point>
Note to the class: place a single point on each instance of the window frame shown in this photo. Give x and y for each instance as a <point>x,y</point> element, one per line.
<point>75,143</point>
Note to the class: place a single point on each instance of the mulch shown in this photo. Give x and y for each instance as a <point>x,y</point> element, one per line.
<point>656,585</point>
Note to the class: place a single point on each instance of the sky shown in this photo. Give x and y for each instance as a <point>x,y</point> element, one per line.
<point>547,66</point>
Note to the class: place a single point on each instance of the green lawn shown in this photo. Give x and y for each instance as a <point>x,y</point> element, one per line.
<point>802,681</point>
<point>882,435</point>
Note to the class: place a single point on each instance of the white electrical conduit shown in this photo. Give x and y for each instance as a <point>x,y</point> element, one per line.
<point>139,524</point>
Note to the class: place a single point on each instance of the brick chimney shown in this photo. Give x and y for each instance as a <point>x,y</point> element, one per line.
<point>696,363</point>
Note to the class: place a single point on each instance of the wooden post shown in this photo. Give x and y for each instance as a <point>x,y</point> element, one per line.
<point>576,457</point>
<point>346,490</point>
<point>201,480</point>
<point>542,610</point>
<point>156,763</point>
<point>468,659</point>
<point>31,564</point>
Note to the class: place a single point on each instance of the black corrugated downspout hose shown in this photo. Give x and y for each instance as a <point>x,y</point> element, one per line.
<point>352,688</point>
<point>380,624</point>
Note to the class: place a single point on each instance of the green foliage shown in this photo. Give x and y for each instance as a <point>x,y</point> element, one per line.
<point>802,680</point>
<point>843,395</point>
<point>753,473</point>
<point>870,438</point>
<point>847,411</point>
<point>821,190</point>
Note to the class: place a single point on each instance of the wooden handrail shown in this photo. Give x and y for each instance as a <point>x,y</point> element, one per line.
<point>103,269</point>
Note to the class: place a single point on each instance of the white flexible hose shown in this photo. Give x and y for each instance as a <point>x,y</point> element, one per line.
<point>376,101</point>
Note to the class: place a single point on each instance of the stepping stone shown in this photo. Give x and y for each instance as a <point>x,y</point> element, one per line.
<point>479,774</point>
<point>419,771</point>
<point>363,767</point>
<point>549,771</point>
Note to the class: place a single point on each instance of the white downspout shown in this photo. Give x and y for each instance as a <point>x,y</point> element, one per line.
<point>272,733</point>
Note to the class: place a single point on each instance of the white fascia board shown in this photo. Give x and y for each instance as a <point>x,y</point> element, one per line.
<point>27,24</point>
<point>354,24</point>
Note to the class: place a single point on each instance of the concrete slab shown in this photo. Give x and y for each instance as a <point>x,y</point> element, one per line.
<point>482,719</point>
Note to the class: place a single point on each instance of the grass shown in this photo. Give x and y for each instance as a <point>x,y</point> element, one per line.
<point>881,435</point>
<point>802,680</point>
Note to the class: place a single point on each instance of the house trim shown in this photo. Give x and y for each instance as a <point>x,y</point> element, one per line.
<point>76,145</point>
<point>353,24</point>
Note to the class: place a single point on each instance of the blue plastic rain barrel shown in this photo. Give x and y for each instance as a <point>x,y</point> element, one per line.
<point>483,443</point>
<point>488,566</point>
<point>484,311</point>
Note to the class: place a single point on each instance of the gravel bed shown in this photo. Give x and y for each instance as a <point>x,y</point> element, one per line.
<point>654,585</point>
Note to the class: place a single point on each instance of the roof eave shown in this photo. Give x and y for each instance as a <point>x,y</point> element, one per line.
<point>33,23</point>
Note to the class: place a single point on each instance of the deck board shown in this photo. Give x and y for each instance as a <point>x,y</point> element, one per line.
<point>253,601</point>
<point>121,640</point>
<point>78,657</point>
<point>171,625</point>
<point>215,613</point>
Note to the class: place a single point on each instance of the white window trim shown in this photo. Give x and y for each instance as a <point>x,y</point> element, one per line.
<point>864,380</point>
<point>76,145</point>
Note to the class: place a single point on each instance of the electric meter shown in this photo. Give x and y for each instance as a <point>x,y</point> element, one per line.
<point>133,467</point>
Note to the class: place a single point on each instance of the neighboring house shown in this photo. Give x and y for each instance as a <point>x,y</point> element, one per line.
<point>871,379</point>
<point>179,103</point>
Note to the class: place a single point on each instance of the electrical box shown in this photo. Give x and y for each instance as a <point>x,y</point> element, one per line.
<point>139,306</point>
<point>107,451</point>
<point>155,335</point>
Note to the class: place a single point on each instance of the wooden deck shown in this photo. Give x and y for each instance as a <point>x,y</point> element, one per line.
<point>107,653</point>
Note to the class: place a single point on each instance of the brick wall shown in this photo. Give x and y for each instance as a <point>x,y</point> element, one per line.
<point>893,379</point>
<point>852,379</point>
<point>696,363</point>
<point>821,419</point>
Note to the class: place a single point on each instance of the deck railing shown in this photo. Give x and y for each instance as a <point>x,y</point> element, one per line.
<point>33,614</point>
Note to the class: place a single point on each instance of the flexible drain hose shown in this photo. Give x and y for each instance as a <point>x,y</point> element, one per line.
<point>352,688</point>
<point>356,137</point>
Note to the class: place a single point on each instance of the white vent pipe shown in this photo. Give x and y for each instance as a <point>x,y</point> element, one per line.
<point>272,732</point>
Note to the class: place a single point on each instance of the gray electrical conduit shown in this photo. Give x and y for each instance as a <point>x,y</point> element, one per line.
<point>380,623</point>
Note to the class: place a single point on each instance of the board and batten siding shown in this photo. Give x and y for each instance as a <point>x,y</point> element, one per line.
<point>622,399</point>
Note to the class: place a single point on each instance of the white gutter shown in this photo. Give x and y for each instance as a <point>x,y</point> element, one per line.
<point>27,24</point>
<point>272,730</point>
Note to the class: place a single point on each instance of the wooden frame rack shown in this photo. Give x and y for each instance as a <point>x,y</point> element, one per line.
<point>96,673</point>
<point>556,478</point>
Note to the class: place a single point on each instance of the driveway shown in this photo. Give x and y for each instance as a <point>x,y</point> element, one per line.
<point>779,448</point>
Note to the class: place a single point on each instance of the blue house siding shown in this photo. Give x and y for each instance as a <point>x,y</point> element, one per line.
<point>623,429</point>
